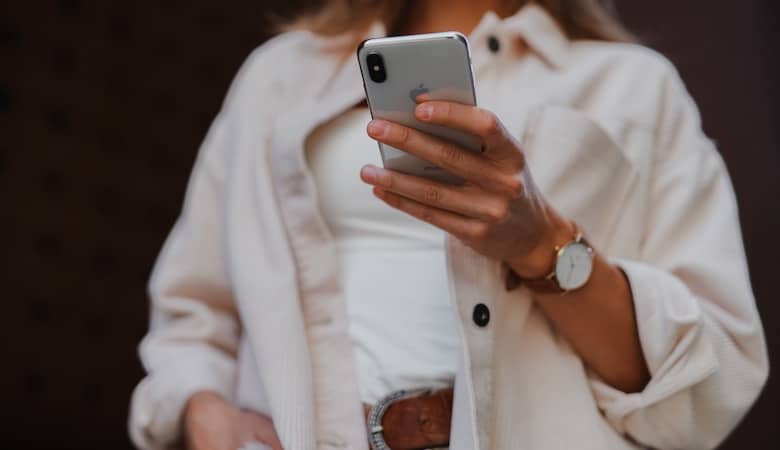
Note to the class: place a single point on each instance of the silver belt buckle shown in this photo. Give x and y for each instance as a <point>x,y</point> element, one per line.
<point>378,410</point>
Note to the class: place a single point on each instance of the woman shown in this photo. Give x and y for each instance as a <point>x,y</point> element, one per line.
<point>304,288</point>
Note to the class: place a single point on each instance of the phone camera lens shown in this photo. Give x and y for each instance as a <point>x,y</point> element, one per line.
<point>376,67</point>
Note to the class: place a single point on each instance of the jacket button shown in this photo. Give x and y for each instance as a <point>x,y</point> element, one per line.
<point>493,44</point>
<point>481,315</point>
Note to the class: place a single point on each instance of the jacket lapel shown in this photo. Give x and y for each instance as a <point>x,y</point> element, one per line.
<point>472,279</point>
<point>336,402</point>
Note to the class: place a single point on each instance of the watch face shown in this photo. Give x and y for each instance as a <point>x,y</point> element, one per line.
<point>575,262</point>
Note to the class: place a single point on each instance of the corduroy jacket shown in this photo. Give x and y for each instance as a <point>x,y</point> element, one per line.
<point>245,299</point>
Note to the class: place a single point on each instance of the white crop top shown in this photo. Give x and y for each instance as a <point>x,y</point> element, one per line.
<point>392,268</point>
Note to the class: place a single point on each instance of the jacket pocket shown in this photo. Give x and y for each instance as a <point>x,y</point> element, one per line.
<point>579,168</point>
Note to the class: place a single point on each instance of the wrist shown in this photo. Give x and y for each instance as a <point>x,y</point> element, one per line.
<point>540,260</point>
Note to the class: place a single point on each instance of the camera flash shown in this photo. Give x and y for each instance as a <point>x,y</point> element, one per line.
<point>376,67</point>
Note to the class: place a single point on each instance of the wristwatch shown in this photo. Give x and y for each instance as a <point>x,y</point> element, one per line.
<point>571,270</point>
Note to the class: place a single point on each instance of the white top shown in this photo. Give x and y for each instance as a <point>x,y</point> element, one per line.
<point>391,267</point>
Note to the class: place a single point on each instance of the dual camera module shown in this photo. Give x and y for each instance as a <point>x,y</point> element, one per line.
<point>376,67</point>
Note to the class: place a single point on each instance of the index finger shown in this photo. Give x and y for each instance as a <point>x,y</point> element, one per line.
<point>471,119</point>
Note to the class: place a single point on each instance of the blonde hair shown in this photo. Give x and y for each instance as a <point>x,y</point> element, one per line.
<point>580,19</point>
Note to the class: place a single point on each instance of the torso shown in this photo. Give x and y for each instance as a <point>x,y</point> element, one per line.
<point>589,149</point>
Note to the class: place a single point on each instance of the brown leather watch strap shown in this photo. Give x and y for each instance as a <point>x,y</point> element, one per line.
<point>547,285</point>
<point>419,422</point>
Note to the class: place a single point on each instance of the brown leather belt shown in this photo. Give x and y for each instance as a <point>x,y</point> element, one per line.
<point>410,420</point>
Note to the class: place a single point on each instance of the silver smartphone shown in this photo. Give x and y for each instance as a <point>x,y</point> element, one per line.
<point>397,69</point>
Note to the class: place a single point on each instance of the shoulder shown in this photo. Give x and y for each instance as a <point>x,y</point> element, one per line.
<point>259,87</point>
<point>282,48</point>
<point>627,61</point>
<point>632,80</point>
<point>636,87</point>
<point>274,64</point>
<point>623,53</point>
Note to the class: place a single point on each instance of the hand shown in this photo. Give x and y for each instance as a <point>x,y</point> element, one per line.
<point>213,423</point>
<point>498,211</point>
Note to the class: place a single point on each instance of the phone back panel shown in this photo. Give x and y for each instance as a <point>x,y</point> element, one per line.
<point>437,63</point>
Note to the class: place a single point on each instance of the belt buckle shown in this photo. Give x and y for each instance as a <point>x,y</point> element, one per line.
<point>374,422</point>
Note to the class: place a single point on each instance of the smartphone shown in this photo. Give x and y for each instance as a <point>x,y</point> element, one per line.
<point>396,70</point>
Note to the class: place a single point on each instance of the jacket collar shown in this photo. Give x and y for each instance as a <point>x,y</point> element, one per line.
<point>532,24</point>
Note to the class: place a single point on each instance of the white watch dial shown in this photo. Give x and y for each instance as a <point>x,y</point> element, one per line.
<point>574,265</point>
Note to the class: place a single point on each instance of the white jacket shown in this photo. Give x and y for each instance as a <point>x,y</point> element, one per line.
<point>246,302</point>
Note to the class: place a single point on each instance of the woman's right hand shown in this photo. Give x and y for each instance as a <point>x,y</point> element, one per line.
<point>213,423</point>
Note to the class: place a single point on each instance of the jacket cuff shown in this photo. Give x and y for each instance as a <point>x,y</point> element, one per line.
<point>158,401</point>
<point>677,353</point>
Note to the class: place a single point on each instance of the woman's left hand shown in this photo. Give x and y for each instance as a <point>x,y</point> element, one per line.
<point>498,211</point>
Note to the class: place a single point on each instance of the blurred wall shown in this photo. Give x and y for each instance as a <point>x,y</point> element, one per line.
<point>102,108</point>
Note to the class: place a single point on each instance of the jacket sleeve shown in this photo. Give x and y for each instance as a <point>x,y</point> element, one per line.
<point>697,320</point>
<point>193,337</point>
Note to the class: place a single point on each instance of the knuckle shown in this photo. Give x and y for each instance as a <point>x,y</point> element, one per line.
<point>490,124</point>
<point>388,180</point>
<point>516,163</point>
<point>498,213</point>
<point>444,110</point>
<point>480,231</point>
<point>514,187</point>
<point>450,154</point>
<point>439,148</point>
<point>432,194</point>
<point>403,135</point>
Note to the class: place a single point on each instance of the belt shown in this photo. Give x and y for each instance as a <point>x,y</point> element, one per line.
<point>410,420</point>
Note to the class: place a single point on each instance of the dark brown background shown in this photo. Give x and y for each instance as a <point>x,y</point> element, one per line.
<point>102,107</point>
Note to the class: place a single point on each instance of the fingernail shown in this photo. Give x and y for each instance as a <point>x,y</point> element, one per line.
<point>424,111</point>
<point>377,128</point>
<point>369,173</point>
